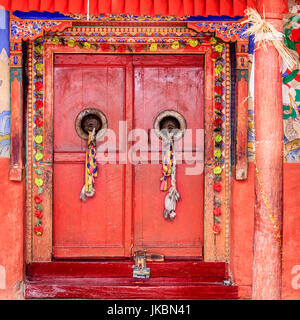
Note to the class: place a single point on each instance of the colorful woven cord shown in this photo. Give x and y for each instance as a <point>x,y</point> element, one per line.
<point>91,165</point>
<point>90,168</point>
<point>169,170</point>
<point>167,167</point>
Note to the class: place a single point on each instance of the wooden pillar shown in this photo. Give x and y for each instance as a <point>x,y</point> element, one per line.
<point>269,160</point>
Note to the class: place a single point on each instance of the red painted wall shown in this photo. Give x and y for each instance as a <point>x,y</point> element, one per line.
<point>11,234</point>
<point>242,226</point>
<point>291,234</point>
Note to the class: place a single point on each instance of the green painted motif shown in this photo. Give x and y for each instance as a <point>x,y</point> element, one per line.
<point>15,73</point>
<point>39,182</point>
<point>289,115</point>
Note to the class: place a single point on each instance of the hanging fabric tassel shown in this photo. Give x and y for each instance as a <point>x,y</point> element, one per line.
<point>169,170</point>
<point>90,168</point>
<point>265,33</point>
<point>167,166</point>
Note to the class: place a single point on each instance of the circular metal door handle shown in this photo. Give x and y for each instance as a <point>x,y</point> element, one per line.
<point>88,119</point>
<point>170,121</point>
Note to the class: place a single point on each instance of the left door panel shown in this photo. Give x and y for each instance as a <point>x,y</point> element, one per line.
<point>95,228</point>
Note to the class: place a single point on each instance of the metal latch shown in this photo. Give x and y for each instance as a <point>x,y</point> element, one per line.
<point>140,270</point>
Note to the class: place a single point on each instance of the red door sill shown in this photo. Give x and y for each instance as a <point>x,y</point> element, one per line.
<point>113,280</point>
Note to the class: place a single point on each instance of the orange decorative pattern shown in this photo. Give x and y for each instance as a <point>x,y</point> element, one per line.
<point>225,30</point>
<point>32,29</point>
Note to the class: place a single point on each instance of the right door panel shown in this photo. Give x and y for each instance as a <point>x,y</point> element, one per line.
<point>169,83</point>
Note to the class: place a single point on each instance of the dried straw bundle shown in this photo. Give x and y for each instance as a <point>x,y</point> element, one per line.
<point>264,33</point>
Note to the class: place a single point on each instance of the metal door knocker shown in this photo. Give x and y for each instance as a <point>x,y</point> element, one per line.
<point>169,121</point>
<point>90,124</point>
<point>169,125</point>
<point>88,119</point>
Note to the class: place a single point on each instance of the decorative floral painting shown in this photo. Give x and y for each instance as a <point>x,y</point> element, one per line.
<point>291,93</point>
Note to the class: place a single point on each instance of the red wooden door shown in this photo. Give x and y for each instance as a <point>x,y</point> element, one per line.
<point>127,211</point>
<point>169,83</point>
<point>97,227</point>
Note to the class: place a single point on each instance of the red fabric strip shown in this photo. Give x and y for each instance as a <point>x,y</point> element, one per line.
<point>175,7</point>
<point>199,7</point>
<point>117,6</point>
<point>239,7</point>
<point>47,5</point>
<point>161,7</point>
<point>188,7</point>
<point>271,6</point>
<point>251,4</point>
<point>93,6</point>
<point>61,6</point>
<point>76,6</point>
<point>23,5</point>
<point>212,7</point>
<point>226,8</point>
<point>132,7</point>
<point>104,6</point>
<point>34,5</point>
<point>146,7</point>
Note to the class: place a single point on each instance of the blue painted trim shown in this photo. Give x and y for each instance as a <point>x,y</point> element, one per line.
<point>213,18</point>
<point>41,15</point>
<point>251,44</point>
<point>4,31</point>
<point>60,16</point>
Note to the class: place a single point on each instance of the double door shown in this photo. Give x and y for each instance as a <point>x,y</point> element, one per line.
<point>126,213</point>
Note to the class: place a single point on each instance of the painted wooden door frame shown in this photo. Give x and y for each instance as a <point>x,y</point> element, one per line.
<point>42,246</point>
<point>39,248</point>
